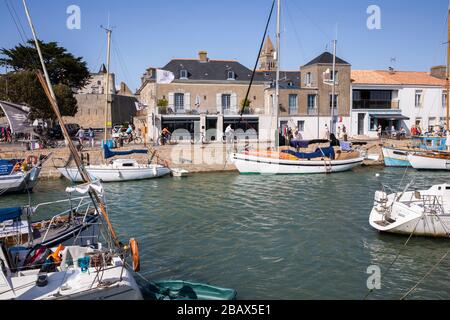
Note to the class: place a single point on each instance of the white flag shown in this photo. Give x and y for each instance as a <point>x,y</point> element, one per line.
<point>140,106</point>
<point>164,77</point>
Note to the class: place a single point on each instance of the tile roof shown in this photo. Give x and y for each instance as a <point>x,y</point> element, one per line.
<point>382,77</point>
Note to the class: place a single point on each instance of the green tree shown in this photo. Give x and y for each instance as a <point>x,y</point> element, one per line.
<point>24,88</point>
<point>63,67</point>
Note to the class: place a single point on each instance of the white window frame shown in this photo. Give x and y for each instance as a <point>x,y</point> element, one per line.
<point>293,109</point>
<point>184,74</point>
<point>177,107</point>
<point>315,102</point>
<point>224,106</point>
<point>418,99</point>
<point>308,80</point>
<point>233,75</point>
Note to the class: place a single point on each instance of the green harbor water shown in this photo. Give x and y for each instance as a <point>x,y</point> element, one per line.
<point>271,237</point>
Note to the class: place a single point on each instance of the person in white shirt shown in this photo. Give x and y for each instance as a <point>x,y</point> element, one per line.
<point>229,133</point>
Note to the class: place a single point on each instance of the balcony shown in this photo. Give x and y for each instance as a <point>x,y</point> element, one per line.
<point>376,104</point>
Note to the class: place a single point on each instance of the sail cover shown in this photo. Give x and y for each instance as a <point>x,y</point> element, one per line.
<point>109,154</point>
<point>17,116</point>
<point>10,214</point>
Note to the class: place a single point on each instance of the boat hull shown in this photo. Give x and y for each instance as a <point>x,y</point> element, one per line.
<point>429,163</point>
<point>20,182</point>
<point>395,157</point>
<point>423,226</point>
<point>108,174</point>
<point>249,164</point>
<point>182,290</point>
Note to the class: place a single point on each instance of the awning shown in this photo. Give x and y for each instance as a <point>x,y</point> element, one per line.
<point>391,117</point>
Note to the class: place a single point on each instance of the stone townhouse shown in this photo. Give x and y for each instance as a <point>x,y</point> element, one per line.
<point>207,95</point>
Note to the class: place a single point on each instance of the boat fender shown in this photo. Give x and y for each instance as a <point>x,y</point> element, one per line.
<point>135,255</point>
<point>55,256</point>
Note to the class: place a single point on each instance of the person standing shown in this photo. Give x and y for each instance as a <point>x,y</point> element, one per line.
<point>327,133</point>
<point>229,134</point>
<point>80,135</point>
<point>91,135</point>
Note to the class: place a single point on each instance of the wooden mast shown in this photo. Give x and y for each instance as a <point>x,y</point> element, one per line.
<point>108,59</point>
<point>47,86</point>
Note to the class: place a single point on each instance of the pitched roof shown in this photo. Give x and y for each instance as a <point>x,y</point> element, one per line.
<point>268,47</point>
<point>285,77</point>
<point>382,77</point>
<point>326,58</point>
<point>212,70</point>
<point>102,69</point>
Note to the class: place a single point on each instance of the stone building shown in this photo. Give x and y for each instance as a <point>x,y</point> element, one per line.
<point>207,95</point>
<point>91,101</point>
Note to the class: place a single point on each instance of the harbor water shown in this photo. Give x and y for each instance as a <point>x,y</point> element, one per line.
<point>271,237</point>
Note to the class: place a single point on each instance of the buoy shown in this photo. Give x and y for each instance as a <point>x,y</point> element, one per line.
<point>135,255</point>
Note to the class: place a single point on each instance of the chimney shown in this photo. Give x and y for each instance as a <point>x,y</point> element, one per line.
<point>439,72</point>
<point>203,56</point>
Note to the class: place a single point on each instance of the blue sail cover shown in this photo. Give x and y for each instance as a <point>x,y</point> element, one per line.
<point>319,153</point>
<point>109,154</point>
<point>6,167</point>
<point>10,214</point>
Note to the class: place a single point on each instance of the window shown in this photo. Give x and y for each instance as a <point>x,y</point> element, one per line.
<point>336,76</point>
<point>312,98</point>
<point>226,101</point>
<point>418,100</point>
<point>231,75</point>
<point>179,102</point>
<point>301,126</point>
<point>336,101</point>
<point>183,74</point>
<point>292,104</point>
<point>99,83</point>
<point>308,79</point>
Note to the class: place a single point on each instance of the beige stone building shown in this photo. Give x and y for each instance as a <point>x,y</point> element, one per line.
<point>207,95</point>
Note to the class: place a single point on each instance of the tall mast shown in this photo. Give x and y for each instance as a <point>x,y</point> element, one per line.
<point>448,73</point>
<point>108,60</point>
<point>333,94</point>
<point>46,84</point>
<point>277,85</point>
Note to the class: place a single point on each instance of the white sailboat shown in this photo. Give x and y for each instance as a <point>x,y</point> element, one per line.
<point>421,213</point>
<point>323,160</point>
<point>91,272</point>
<point>117,170</point>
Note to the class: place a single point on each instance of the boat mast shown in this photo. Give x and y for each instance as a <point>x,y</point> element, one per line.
<point>448,72</point>
<point>108,60</point>
<point>46,84</point>
<point>277,85</point>
<point>333,94</point>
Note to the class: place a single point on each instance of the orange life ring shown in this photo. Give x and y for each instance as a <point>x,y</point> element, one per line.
<point>32,160</point>
<point>17,167</point>
<point>135,255</point>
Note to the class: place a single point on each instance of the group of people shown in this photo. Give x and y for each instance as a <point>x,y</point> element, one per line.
<point>82,136</point>
<point>5,135</point>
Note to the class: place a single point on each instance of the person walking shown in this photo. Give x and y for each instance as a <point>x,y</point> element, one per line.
<point>80,136</point>
<point>91,135</point>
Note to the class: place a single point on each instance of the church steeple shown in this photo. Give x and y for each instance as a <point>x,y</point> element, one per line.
<point>267,58</point>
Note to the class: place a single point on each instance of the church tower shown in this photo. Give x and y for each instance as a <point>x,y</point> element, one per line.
<point>267,58</point>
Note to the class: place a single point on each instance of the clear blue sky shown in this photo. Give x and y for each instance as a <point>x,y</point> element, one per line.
<point>151,32</point>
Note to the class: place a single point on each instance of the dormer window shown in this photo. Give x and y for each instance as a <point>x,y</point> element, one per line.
<point>183,74</point>
<point>231,75</point>
<point>290,84</point>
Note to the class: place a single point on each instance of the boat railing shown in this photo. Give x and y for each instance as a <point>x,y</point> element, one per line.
<point>80,205</point>
<point>433,204</point>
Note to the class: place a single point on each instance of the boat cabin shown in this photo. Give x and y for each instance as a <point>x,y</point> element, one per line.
<point>429,143</point>
<point>125,163</point>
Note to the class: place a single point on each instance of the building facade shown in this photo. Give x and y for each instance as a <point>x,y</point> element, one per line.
<point>208,95</point>
<point>397,99</point>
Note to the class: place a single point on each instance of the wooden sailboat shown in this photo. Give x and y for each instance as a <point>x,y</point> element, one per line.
<point>323,160</point>
<point>436,160</point>
<point>74,272</point>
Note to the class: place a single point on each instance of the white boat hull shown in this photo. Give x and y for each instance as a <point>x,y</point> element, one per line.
<point>247,164</point>
<point>110,174</point>
<point>427,163</point>
<point>20,182</point>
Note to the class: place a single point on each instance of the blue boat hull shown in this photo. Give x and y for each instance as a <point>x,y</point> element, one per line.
<point>390,162</point>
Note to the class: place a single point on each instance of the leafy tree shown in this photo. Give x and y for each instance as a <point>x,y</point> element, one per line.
<point>24,88</point>
<point>63,67</point>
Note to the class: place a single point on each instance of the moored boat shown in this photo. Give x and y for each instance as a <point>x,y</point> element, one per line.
<point>183,290</point>
<point>421,213</point>
<point>18,176</point>
<point>430,160</point>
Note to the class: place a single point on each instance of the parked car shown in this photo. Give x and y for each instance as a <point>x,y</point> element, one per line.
<point>72,128</point>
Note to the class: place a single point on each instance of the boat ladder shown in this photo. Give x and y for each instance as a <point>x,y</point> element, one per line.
<point>328,166</point>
